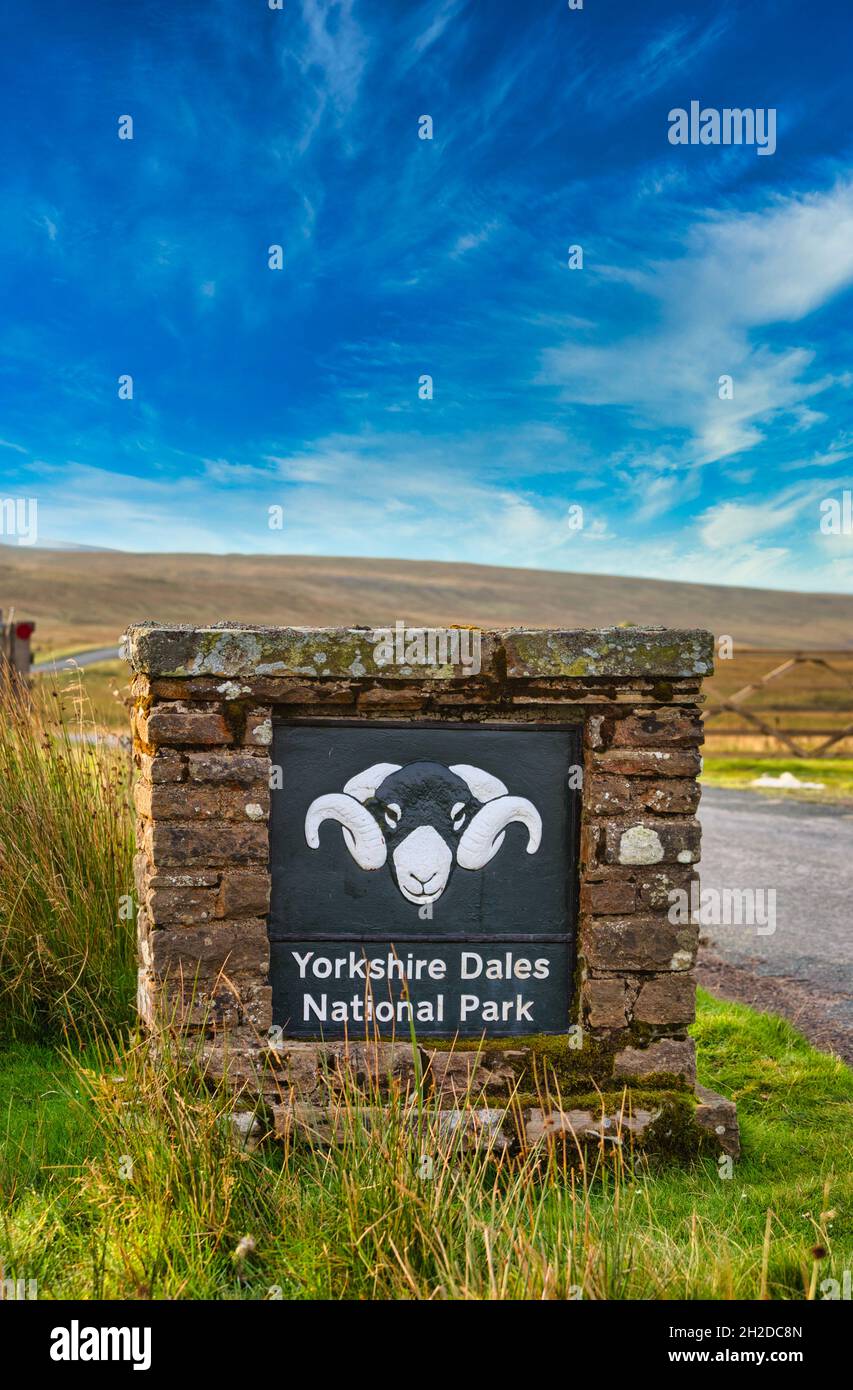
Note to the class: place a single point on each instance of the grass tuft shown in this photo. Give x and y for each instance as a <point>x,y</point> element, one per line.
<point>66,851</point>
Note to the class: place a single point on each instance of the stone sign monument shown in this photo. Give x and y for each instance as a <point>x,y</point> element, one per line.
<point>349,859</point>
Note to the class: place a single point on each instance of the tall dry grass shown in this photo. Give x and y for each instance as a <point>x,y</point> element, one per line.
<point>163,1200</point>
<point>147,1192</point>
<point>66,850</point>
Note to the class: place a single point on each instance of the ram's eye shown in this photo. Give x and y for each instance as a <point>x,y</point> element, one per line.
<point>392,815</point>
<point>457,815</point>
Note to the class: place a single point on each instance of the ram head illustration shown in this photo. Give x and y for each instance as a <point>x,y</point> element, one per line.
<point>427,818</point>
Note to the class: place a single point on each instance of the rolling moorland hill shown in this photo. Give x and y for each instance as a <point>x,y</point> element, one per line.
<point>85,598</point>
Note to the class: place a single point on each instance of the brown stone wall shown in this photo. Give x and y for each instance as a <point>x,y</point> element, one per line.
<point>202,739</point>
<point>202,878</point>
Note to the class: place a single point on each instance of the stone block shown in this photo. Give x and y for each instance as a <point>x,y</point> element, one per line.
<point>243,893</point>
<point>466,1074</point>
<point>608,652</point>
<point>607,796</point>
<point>181,906</point>
<point>612,897</point>
<point>182,724</point>
<point>172,843</point>
<point>390,697</point>
<point>668,1057</point>
<point>376,1065</point>
<point>669,796</point>
<point>229,765</point>
<point>656,888</point>
<point>605,1002</point>
<point>244,652</point>
<point>166,765</point>
<point>222,1003</point>
<point>667,999</point>
<point>652,841</point>
<point>648,762</point>
<point>236,949</point>
<point>192,801</point>
<point>583,1126</point>
<point>661,728</point>
<point>718,1117</point>
<point>258,729</point>
<point>638,943</point>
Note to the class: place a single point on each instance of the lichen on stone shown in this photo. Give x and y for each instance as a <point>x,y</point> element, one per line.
<point>639,844</point>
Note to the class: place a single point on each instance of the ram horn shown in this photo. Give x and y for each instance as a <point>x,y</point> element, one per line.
<point>482,784</point>
<point>363,785</point>
<point>362,835</point>
<point>485,834</point>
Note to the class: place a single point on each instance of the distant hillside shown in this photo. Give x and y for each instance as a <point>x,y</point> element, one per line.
<point>85,598</point>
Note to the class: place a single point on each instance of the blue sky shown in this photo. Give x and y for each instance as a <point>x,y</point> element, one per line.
<point>553,387</point>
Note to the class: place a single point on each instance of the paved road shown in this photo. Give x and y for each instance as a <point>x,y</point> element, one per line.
<point>803,970</point>
<point>79,659</point>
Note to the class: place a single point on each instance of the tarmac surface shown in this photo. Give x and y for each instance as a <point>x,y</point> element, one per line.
<point>803,967</point>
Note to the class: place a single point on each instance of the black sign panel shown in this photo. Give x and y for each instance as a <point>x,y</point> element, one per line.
<point>423,876</point>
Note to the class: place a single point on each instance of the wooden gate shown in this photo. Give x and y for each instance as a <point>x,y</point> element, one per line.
<point>811,711</point>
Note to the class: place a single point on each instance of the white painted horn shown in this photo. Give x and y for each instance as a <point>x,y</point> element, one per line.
<point>485,834</point>
<point>362,835</point>
<point>482,784</point>
<point>363,785</point>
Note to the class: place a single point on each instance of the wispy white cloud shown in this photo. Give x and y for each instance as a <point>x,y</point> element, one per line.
<point>469,241</point>
<point>449,11</point>
<point>49,225</point>
<point>741,273</point>
<point>337,46</point>
<point>676,47</point>
<point>729,525</point>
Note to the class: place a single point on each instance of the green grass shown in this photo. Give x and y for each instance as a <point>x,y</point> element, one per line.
<point>359,1219</point>
<point>835,773</point>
